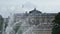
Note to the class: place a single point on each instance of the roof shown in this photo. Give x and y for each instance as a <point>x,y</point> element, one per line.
<point>35,11</point>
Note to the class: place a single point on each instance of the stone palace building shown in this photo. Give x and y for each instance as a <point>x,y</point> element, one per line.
<point>42,21</point>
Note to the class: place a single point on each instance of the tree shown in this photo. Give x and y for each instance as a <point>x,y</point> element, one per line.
<point>1,24</point>
<point>56,24</point>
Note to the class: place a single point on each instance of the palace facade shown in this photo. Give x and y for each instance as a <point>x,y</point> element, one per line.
<point>42,21</point>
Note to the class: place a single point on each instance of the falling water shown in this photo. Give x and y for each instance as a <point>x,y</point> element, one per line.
<point>9,29</point>
<point>22,26</point>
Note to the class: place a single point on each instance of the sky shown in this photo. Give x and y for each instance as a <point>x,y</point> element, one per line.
<point>21,6</point>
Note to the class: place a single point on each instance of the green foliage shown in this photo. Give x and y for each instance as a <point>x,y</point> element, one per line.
<point>1,24</point>
<point>1,21</point>
<point>56,24</point>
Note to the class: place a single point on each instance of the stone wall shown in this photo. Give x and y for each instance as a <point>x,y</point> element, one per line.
<point>43,32</point>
